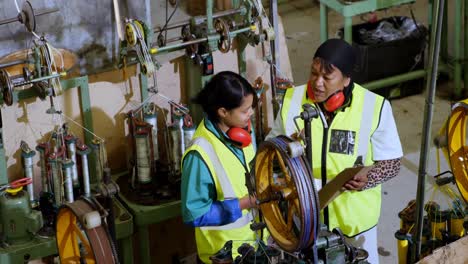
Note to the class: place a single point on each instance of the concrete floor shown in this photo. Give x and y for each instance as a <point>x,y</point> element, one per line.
<point>302,28</point>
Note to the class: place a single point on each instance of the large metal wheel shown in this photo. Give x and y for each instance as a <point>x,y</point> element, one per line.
<point>457,151</point>
<point>286,194</point>
<point>81,238</point>
<point>6,86</point>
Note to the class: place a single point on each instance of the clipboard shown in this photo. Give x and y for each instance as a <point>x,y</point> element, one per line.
<point>335,187</point>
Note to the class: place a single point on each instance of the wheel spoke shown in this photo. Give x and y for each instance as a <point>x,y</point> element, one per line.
<point>283,200</point>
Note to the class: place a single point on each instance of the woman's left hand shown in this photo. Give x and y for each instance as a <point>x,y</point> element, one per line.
<point>359,180</point>
<point>247,202</point>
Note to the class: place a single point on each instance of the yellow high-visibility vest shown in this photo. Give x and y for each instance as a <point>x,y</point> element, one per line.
<point>228,174</point>
<point>348,136</point>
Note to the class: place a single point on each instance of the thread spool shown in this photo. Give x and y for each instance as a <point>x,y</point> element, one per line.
<point>438,221</point>
<point>56,179</point>
<point>91,220</point>
<point>71,149</point>
<point>295,149</point>
<point>143,164</point>
<point>96,148</point>
<point>269,34</point>
<point>176,143</point>
<point>402,246</point>
<point>83,152</point>
<point>152,119</point>
<point>29,173</point>
<point>188,135</point>
<point>179,124</point>
<point>41,148</point>
<point>67,168</point>
<point>456,224</point>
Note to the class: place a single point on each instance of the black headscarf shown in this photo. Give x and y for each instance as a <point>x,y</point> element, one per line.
<point>339,53</point>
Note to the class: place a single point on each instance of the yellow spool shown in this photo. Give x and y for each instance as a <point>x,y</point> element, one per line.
<point>456,226</point>
<point>402,246</point>
<point>14,191</point>
<point>436,227</point>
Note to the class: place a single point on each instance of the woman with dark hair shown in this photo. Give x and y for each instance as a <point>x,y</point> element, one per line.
<point>214,197</point>
<point>356,128</point>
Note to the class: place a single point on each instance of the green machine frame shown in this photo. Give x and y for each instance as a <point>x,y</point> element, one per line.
<point>43,247</point>
<point>453,66</point>
<point>146,215</point>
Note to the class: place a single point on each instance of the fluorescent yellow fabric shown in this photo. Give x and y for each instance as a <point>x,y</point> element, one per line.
<point>211,241</point>
<point>353,212</point>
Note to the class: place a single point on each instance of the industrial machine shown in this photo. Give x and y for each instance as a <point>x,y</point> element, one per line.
<point>77,192</point>
<point>151,187</point>
<point>442,224</point>
<point>289,208</point>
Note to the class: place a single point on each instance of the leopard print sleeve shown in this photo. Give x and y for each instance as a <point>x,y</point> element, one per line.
<point>382,171</point>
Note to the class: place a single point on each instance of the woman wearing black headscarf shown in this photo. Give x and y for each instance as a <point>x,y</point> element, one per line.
<point>356,128</point>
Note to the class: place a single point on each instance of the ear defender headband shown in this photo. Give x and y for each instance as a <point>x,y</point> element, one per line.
<point>240,136</point>
<point>332,103</point>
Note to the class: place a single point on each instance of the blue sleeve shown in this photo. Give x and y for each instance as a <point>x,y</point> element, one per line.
<point>198,196</point>
<point>220,213</point>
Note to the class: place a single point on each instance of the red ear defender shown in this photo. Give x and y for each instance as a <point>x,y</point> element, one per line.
<point>332,103</point>
<point>240,136</point>
<point>310,93</point>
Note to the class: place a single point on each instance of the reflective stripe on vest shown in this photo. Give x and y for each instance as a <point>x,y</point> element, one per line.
<point>366,124</point>
<point>353,212</point>
<point>224,182</point>
<point>225,185</point>
<point>244,220</point>
<point>294,108</point>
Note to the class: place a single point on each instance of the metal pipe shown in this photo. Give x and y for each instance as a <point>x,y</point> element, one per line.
<point>395,79</point>
<point>465,66</point>
<point>209,17</point>
<point>196,41</point>
<point>55,75</point>
<point>274,47</point>
<point>118,21</point>
<point>323,22</point>
<point>275,42</point>
<point>12,63</point>
<point>307,115</point>
<point>8,20</point>
<point>39,12</point>
<point>457,49</point>
<point>200,19</point>
<point>426,133</point>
